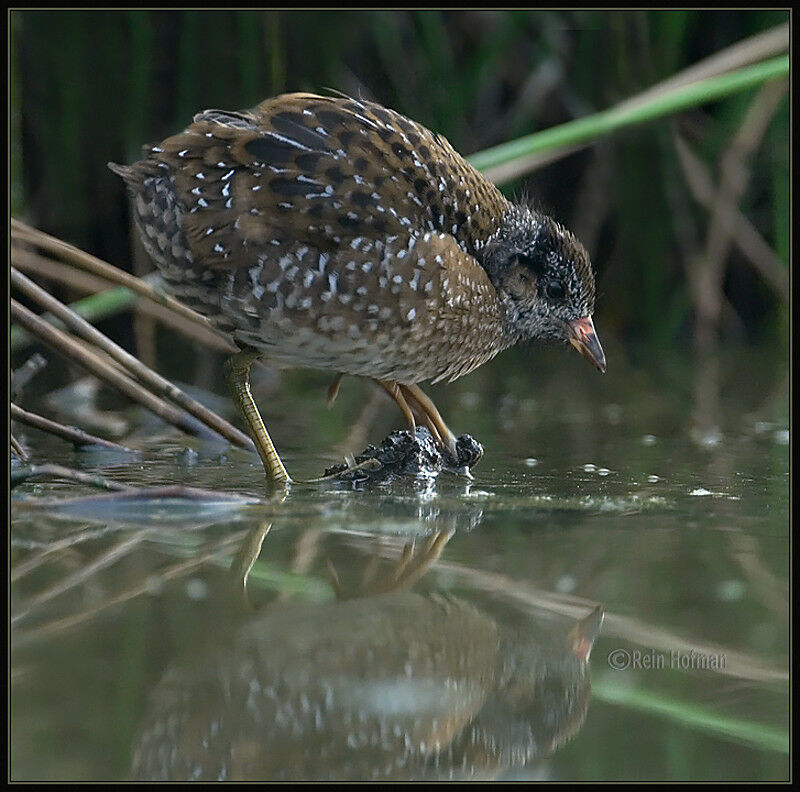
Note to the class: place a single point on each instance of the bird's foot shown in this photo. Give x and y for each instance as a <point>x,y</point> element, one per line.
<point>416,406</point>
<point>406,453</point>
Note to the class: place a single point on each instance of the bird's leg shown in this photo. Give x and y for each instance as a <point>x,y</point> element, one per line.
<point>414,403</point>
<point>333,389</point>
<point>413,566</point>
<point>426,409</point>
<point>395,391</point>
<point>237,370</point>
<point>422,416</point>
<point>410,567</point>
<point>246,557</point>
<point>407,570</point>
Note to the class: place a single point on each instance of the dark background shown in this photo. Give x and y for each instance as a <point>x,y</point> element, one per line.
<point>89,87</point>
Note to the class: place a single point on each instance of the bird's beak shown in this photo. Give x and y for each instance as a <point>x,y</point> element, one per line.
<point>583,337</point>
<point>585,633</point>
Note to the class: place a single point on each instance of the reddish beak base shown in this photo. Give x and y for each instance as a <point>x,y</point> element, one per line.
<point>584,339</point>
<point>585,632</point>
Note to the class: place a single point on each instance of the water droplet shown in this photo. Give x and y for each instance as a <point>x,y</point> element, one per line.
<point>710,439</point>
<point>700,491</point>
<point>566,584</point>
<point>196,589</point>
<point>479,494</point>
<point>653,479</point>
<point>189,457</point>
<point>603,471</point>
<point>782,437</point>
<point>649,440</point>
<point>531,462</point>
<point>589,467</point>
<point>730,590</point>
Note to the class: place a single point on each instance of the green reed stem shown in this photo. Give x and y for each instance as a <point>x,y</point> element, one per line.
<point>607,121</point>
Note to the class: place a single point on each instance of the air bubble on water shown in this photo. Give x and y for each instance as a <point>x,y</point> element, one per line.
<point>196,589</point>
<point>730,590</point>
<point>479,494</point>
<point>189,457</point>
<point>710,439</point>
<point>566,584</point>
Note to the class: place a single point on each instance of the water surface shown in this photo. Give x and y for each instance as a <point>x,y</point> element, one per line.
<point>425,629</point>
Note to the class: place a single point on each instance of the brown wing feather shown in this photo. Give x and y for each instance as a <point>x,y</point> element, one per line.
<point>320,170</point>
<point>410,308</point>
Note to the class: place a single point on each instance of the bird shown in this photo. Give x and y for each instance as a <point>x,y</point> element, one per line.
<point>332,233</point>
<point>400,686</point>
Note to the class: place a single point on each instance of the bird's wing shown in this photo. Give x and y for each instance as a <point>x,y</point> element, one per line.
<point>410,308</point>
<point>319,170</point>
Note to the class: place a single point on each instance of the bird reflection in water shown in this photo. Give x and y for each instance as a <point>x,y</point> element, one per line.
<point>387,685</point>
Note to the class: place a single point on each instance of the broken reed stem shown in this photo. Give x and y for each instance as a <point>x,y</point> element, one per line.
<point>357,436</point>
<point>78,353</point>
<point>34,560</point>
<point>81,575</point>
<point>750,50</point>
<point>706,282</point>
<point>743,233</point>
<point>25,373</point>
<point>96,266</point>
<point>146,375</point>
<point>104,301</point>
<point>33,262</point>
<point>500,165</point>
<point>57,471</point>
<point>183,567</point>
<point>734,175</point>
<point>70,433</point>
<point>16,447</point>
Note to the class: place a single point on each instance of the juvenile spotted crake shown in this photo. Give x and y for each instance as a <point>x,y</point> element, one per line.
<point>333,233</point>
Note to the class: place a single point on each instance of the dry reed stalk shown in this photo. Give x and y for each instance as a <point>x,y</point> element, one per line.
<point>154,381</point>
<point>78,353</point>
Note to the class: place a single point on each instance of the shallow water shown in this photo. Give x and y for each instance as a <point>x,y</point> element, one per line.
<point>425,629</point>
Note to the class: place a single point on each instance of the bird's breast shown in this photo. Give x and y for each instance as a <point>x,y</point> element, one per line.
<point>409,308</point>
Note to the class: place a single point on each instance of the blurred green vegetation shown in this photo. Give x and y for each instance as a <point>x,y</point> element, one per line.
<point>92,86</point>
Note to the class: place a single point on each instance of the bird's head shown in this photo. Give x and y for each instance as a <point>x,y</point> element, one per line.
<point>544,279</point>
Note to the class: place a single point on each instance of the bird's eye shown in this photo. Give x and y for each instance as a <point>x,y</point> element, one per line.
<point>555,290</point>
